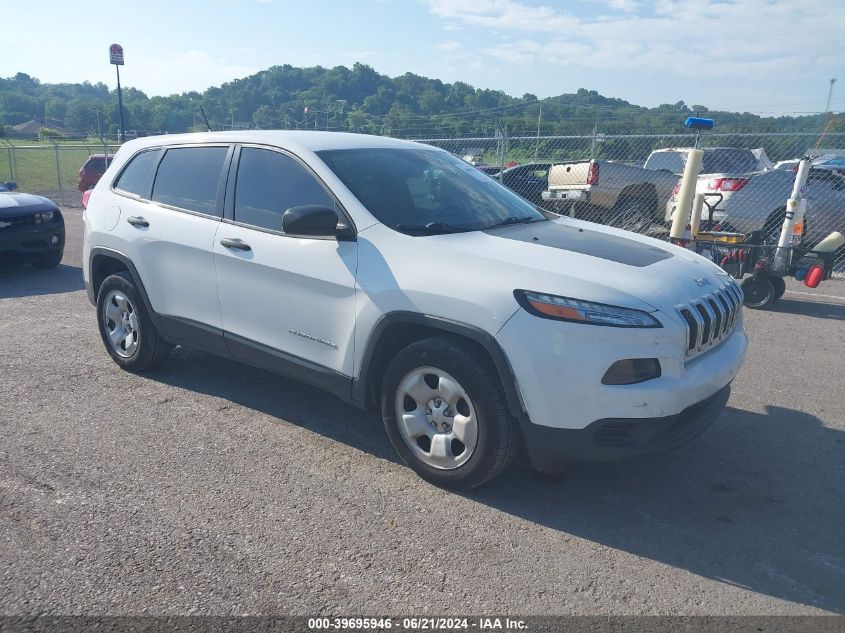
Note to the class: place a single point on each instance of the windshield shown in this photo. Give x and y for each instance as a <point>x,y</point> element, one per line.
<point>422,191</point>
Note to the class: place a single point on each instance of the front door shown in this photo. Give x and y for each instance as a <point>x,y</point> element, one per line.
<point>283,299</point>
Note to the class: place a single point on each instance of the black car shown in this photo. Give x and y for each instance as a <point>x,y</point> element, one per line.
<point>31,228</point>
<point>528,180</point>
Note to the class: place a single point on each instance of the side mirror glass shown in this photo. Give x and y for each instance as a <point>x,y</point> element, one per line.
<point>314,220</point>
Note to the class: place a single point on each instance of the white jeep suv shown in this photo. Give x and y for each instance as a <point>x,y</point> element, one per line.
<point>399,277</point>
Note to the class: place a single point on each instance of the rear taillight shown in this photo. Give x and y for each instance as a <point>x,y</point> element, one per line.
<point>85,195</point>
<point>593,173</point>
<point>726,184</point>
<point>677,188</point>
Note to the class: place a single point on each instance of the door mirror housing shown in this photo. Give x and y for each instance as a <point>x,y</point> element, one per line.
<point>313,220</point>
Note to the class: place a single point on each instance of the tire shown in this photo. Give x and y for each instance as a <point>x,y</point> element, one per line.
<point>51,260</point>
<point>122,316</point>
<point>636,217</point>
<point>758,294</point>
<point>454,387</point>
<point>780,287</point>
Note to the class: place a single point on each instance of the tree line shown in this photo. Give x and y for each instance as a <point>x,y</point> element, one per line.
<point>353,99</point>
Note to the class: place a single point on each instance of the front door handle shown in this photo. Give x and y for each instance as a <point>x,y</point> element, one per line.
<point>237,244</point>
<point>137,220</point>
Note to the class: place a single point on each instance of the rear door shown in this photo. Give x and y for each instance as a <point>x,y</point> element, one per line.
<point>169,226</point>
<point>285,300</point>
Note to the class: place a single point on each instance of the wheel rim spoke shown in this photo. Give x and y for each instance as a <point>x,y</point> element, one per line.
<point>113,312</point>
<point>465,430</point>
<point>441,450</point>
<point>419,391</point>
<point>416,425</point>
<point>449,390</point>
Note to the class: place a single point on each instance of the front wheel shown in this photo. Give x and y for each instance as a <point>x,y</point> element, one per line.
<point>446,414</point>
<point>51,260</point>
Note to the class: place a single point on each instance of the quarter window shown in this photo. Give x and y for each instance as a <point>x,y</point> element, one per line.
<point>138,174</point>
<point>189,178</point>
<point>269,183</point>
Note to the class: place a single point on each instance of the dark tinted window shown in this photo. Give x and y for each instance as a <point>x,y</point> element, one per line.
<point>95,164</point>
<point>138,174</point>
<point>270,183</point>
<point>188,178</point>
<point>728,160</point>
<point>421,191</point>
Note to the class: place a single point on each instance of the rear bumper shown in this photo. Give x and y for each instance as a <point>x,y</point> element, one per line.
<point>33,242</point>
<point>619,439</point>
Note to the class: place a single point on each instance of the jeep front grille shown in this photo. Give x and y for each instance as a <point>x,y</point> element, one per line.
<point>711,318</point>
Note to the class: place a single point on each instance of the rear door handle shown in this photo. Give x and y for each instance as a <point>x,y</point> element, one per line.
<point>137,220</point>
<point>235,243</point>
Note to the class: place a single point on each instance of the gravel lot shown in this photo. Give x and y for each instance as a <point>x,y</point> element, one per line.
<point>214,488</point>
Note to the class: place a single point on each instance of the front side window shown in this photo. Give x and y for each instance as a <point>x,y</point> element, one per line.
<point>419,191</point>
<point>137,176</point>
<point>670,161</point>
<point>189,177</point>
<point>269,183</point>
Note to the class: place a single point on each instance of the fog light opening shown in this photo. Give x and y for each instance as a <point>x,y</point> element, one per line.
<point>631,371</point>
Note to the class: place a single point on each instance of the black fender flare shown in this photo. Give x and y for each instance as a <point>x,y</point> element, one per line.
<point>361,385</point>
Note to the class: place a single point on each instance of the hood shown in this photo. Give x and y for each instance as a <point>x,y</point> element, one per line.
<point>14,204</point>
<point>582,260</point>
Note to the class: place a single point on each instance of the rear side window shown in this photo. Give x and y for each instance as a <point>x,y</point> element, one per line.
<point>137,176</point>
<point>96,164</point>
<point>270,183</point>
<point>189,178</point>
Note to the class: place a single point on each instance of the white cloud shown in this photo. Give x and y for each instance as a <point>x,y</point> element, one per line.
<point>688,38</point>
<point>451,45</point>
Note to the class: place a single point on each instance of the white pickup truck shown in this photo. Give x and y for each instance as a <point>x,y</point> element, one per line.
<point>629,196</point>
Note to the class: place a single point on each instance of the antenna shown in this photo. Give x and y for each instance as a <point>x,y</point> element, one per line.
<point>207,124</point>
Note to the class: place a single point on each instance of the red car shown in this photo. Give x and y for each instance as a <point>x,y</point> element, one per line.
<point>93,170</point>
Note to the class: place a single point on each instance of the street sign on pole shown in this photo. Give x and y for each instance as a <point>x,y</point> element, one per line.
<point>116,54</point>
<point>116,58</point>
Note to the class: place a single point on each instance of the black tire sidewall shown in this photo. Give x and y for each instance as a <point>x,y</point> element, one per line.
<point>487,400</point>
<point>779,284</point>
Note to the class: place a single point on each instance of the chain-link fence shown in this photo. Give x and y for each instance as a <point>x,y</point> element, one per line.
<point>626,180</point>
<point>631,180</point>
<point>52,170</point>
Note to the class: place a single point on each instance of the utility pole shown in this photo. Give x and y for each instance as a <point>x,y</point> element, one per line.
<point>539,118</point>
<point>99,132</point>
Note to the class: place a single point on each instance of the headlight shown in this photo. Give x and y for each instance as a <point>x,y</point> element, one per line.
<point>44,216</point>
<point>567,309</point>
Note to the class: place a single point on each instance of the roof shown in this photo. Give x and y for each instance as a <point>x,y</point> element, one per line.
<point>291,139</point>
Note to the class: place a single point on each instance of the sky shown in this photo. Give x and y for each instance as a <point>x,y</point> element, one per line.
<point>763,56</point>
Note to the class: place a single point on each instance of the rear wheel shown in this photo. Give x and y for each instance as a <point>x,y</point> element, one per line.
<point>758,294</point>
<point>636,217</point>
<point>127,329</point>
<point>445,413</point>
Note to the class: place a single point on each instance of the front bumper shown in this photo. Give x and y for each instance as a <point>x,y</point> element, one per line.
<point>558,368</point>
<point>33,241</point>
<point>620,439</point>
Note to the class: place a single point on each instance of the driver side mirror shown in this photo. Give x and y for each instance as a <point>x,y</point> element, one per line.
<point>315,220</point>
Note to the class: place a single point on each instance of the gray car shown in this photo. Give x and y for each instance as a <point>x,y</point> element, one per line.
<point>761,204</point>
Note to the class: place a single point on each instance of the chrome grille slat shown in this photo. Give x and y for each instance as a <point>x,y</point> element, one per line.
<point>715,314</point>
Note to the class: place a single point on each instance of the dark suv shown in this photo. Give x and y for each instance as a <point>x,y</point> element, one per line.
<point>93,169</point>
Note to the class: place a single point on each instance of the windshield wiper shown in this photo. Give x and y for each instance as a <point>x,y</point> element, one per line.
<point>432,228</point>
<point>526,219</point>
